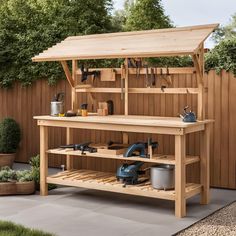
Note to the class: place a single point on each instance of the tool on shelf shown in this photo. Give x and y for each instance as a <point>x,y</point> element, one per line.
<point>140,148</point>
<point>57,104</point>
<point>110,107</point>
<point>86,73</point>
<point>188,116</point>
<point>83,147</point>
<point>70,113</point>
<point>129,173</point>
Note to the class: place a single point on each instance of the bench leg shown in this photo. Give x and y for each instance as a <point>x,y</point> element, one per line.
<point>180,176</point>
<point>205,164</point>
<point>43,160</point>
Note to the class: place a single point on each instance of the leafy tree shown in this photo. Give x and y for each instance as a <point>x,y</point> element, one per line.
<point>145,15</point>
<point>223,56</point>
<point>27,27</point>
<point>226,32</point>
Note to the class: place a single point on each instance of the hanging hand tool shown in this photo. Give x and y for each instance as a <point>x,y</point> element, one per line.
<point>147,77</point>
<point>153,77</point>
<point>82,147</point>
<point>138,63</point>
<point>86,73</point>
<point>168,76</point>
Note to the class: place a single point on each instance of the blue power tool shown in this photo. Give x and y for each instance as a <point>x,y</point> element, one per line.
<point>129,173</point>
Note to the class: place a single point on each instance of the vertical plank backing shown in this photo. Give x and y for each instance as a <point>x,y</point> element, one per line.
<point>23,103</point>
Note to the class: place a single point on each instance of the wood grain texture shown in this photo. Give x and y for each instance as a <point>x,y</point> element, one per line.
<point>22,103</point>
<point>152,43</point>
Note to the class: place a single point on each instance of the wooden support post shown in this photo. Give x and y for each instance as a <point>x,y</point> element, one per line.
<point>198,60</point>
<point>67,73</point>
<point>69,140</point>
<point>180,176</point>
<point>73,92</point>
<point>126,87</point>
<point>43,160</point>
<point>205,164</point>
<point>125,138</point>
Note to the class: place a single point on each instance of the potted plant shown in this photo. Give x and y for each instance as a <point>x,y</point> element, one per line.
<point>9,141</point>
<point>16,182</point>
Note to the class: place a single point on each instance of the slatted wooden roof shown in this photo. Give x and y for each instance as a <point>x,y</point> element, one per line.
<point>151,43</point>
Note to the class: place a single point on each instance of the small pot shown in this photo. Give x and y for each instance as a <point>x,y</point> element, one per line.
<point>163,177</point>
<point>57,108</point>
<point>7,159</point>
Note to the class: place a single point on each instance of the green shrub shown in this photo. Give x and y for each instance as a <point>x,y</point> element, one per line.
<point>222,57</point>
<point>35,169</point>
<point>24,176</point>
<point>9,175</point>
<point>9,136</point>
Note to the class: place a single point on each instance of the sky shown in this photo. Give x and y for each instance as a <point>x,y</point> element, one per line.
<point>196,12</point>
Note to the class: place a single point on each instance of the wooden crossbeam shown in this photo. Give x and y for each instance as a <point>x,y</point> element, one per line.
<point>158,70</point>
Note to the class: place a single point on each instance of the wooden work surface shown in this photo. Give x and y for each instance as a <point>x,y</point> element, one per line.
<point>150,43</point>
<point>169,122</point>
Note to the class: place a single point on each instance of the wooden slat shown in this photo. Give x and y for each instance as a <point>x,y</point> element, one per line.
<point>162,159</point>
<point>158,71</point>
<point>107,182</point>
<point>140,90</point>
<point>170,42</point>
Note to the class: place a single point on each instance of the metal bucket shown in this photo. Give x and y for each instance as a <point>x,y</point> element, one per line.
<point>56,108</point>
<point>163,177</point>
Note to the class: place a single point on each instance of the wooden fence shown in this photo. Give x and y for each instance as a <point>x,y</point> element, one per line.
<point>24,103</point>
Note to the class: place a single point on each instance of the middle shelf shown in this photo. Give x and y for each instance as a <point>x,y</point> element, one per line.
<point>157,158</point>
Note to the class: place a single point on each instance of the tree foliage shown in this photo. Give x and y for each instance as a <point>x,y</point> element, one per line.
<point>226,32</point>
<point>223,56</point>
<point>145,15</point>
<point>27,27</point>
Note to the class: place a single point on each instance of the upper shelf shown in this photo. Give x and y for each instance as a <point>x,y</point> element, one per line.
<point>150,43</point>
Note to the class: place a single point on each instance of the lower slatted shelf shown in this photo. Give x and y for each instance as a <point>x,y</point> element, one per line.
<point>108,182</point>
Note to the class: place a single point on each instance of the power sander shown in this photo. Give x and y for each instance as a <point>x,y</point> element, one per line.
<point>129,173</point>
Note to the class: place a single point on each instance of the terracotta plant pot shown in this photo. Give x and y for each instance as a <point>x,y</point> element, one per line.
<point>17,188</point>
<point>7,159</point>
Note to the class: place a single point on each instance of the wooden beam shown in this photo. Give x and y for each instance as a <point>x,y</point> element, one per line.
<point>205,164</point>
<point>69,140</point>
<point>126,87</point>
<point>180,175</point>
<point>73,92</point>
<point>140,90</point>
<point>43,160</point>
<point>158,70</point>
<point>67,73</point>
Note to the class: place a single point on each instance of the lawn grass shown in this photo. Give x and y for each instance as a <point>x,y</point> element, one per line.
<point>11,229</point>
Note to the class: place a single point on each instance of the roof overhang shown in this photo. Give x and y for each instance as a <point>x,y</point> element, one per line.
<point>151,43</point>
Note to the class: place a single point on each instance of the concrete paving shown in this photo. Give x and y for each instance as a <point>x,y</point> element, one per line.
<point>71,211</point>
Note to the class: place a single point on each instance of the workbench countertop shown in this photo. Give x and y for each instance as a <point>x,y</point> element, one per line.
<point>155,121</point>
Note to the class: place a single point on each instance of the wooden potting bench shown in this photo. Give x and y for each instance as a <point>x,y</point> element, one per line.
<point>155,43</point>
